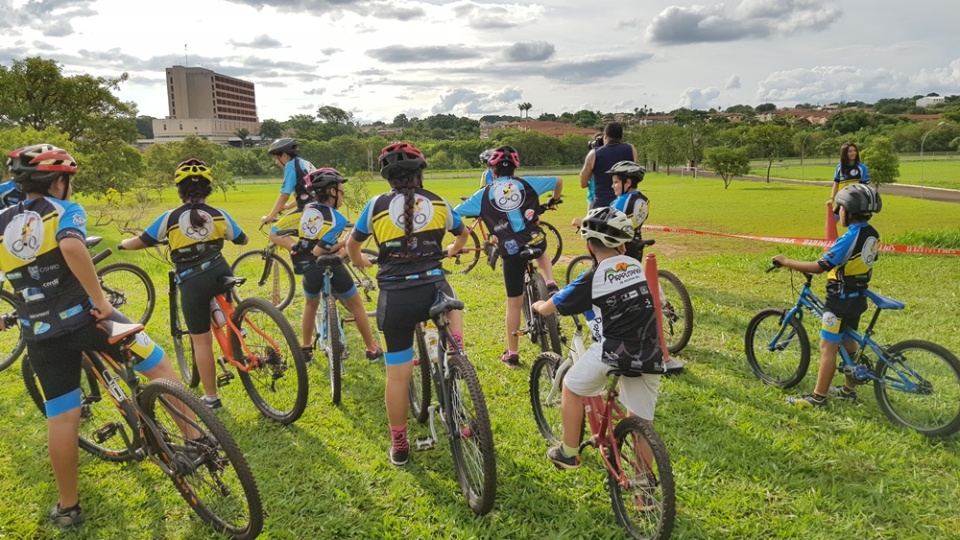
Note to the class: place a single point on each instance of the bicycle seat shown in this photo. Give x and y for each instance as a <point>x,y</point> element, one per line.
<point>117,331</point>
<point>445,304</point>
<point>287,232</point>
<point>883,302</point>
<point>531,253</point>
<point>232,281</point>
<point>646,243</point>
<point>92,240</point>
<point>329,260</point>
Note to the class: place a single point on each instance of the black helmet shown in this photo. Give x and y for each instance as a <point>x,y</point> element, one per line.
<point>858,199</point>
<point>505,154</point>
<point>400,160</point>
<point>608,225</point>
<point>322,178</point>
<point>628,169</point>
<point>485,156</point>
<point>284,146</point>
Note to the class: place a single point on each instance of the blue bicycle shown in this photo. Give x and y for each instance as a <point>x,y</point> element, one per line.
<point>916,383</point>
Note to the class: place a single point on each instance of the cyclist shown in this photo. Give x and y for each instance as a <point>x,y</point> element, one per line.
<point>487,175</point>
<point>319,227</point>
<point>618,302</point>
<point>59,301</point>
<point>850,265</point>
<point>10,194</point>
<point>285,152</point>
<point>850,170</point>
<point>595,142</point>
<point>509,208</point>
<point>196,232</point>
<point>601,159</point>
<point>409,224</point>
<point>626,176</point>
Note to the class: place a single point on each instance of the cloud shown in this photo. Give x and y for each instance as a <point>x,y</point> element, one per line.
<point>629,23</point>
<point>262,41</point>
<point>464,101</point>
<point>533,51</point>
<point>827,84</point>
<point>496,16</point>
<point>382,9</point>
<point>60,28</point>
<point>678,25</point>
<point>698,98</point>
<point>38,14</point>
<point>43,46</point>
<point>315,91</point>
<point>594,68</point>
<point>732,82</point>
<point>330,51</point>
<point>401,54</point>
<point>947,78</point>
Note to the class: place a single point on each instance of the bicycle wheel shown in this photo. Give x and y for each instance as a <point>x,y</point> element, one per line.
<point>468,257</point>
<point>268,276</point>
<point>333,346</point>
<point>549,325</point>
<point>129,290</point>
<point>471,438</point>
<point>11,340</point>
<point>277,383</point>
<point>101,419</point>
<point>420,382</point>
<point>579,265</point>
<point>545,393</point>
<point>778,351</point>
<point>677,311</point>
<point>641,483</point>
<point>920,387</point>
<point>554,241</point>
<point>183,346</point>
<point>205,464</point>
<point>365,280</point>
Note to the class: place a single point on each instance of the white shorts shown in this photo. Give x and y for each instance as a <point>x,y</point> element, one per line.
<point>589,376</point>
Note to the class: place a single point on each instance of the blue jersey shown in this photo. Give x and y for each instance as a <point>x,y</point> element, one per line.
<point>854,173</point>
<point>508,207</point>
<point>10,194</point>
<point>850,260</point>
<point>293,174</point>
<point>191,245</point>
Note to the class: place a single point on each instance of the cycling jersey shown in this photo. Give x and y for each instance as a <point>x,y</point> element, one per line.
<point>192,247</point>
<point>486,178</point>
<point>317,225</point>
<point>398,263</point>
<point>605,158</point>
<point>51,301</point>
<point>508,207</point>
<point>10,194</point>
<point>851,174</point>
<point>850,261</point>
<point>636,206</point>
<point>293,174</point>
<point>619,305</point>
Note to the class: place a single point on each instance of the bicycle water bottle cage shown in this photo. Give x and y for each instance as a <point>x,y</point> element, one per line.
<point>329,260</point>
<point>444,304</point>
<point>91,241</point>
<point>531,253</point>
<point>118,331</point>
<point>883,302</point>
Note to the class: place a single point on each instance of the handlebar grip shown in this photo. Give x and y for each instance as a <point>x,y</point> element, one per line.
<point>775,266</point>
<point>102,255</point>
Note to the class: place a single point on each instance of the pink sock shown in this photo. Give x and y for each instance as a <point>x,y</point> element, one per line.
<point>399,435</point>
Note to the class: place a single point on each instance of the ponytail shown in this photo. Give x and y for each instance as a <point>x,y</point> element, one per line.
<point>406,187</point>
<point>194,194</point>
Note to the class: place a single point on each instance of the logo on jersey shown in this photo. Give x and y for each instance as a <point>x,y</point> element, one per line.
<point>622,272</point>
<point>311,222</point>
<point>506,195</point>
<point>23,236</point>
<point>640,212</point>
<point>871,246</point>
<point>198,233</point>
<point>34,272</point>
<point>829,319</point>
<point>422,212</point>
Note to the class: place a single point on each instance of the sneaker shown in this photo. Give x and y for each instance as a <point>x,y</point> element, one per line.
<point>556,455</point>
<point>399,457</point>
<point>374,355</point>
<point>511,360</point>
<point>212,402</point>
<point>68,519</point>
<point>807,401</point>
<point>843,392</point>
<point>673,365</point>
<point>307,354</point>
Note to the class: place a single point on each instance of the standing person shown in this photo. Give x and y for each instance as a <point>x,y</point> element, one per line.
<point>850,170</point>
<point>409,224</point>
<point>595,142</point>
<point>509,208</point>
<point>600,160</point>
<point>196,232</point>
<point>850,265</point>
<point>627,175</point>
<point>44,256</point>
<point>487,175</point>
<point>285,152</point>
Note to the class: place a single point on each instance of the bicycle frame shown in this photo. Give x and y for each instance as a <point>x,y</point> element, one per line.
<point>576,351</point>
<point>602,413</point>
<point>440,372</point>
<point>325,292</point>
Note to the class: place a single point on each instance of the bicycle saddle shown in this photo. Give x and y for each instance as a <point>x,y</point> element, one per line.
<point>883,302</point>
<point>117,331</point>
<point>92,240</point>
<point>531,253</point>
<point>646,243</point>
<point>329,260</point>
<point>287,232</point>
<point>445,304</point>
<point>232,281</point>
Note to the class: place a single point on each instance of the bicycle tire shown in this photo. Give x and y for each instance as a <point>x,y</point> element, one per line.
<point>471,438</point>
<point>577,266</point>
<point>532,328</point>
<point>129,290</point>
<point>420,382</point>
<point>651,483</point>
<point>546,408</point>
<point>212,475</point>
<point>936,371</point>
<point>182,342</point>
<point>11,340</point>
<point>283,403</point>
<point>279,285</point>
<point>676,338</point>
<point>466,259</point>
<point>97,412</point>
<point>549,325</point>
<point>553,239</point>
<point>333,347</point>
<point>787,364</point>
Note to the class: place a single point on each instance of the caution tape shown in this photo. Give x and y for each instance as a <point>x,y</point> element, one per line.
<point>885,248</point>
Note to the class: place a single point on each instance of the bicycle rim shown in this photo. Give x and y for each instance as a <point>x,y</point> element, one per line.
<point>553,239</point>
<point>545,396</point>
<point>677,311</point>
<point>129,290</point>
<point>778,352</point>
<point>183,348</point>
<point>333,347</point>
<point>641,485</point>
<point>420,382</point>
<point>577,266</point>
<point>205,464</point>
<point>12,343</point>
<point>466,260</point>
<point>278,384</point>
<point>278,285</point>
<point>471,439</point>
<point>920,388</point>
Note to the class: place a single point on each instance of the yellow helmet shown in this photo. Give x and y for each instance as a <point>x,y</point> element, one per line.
<point>192,169</point>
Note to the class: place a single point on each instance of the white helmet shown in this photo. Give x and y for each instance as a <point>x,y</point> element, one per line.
<point>611,227</point>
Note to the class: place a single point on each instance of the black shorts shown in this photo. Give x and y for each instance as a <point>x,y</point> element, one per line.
<point>840,313</point>
<point>399,311</point>
<point>196,293</point>
<point>514,268</point>
<point>341,281</point>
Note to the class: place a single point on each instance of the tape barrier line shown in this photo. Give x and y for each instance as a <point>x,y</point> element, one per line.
<point>884,248</point>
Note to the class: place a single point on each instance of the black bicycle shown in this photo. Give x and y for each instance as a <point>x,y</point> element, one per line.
<point>543,330</point>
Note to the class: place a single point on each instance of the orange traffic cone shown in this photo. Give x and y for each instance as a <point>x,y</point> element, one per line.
<point>830,225</point>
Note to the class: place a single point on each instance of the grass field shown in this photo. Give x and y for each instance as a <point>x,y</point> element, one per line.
<point>939,171</point>
<point>746,465</point>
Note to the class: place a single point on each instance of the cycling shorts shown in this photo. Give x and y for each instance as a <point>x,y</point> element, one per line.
<point>514,268</point>
<point>197,292</point>
<point>839,313</point>
<point>341,282</point>
<point>398,313</point>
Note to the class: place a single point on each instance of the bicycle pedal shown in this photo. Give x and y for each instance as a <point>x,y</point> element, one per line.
<point>348,319</point>
<point>420,445</point>
<point>224,378</point>
<point>104,433</point>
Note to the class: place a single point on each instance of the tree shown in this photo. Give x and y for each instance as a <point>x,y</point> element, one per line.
<point>300,123</point>
<point>145,126</point>
<point>244,135</point>
<point>882,161</point>
<point>400,121</point>
<point>765,107</point>
<point>334,115</point>
<point>270,129</point>
<point>727,162</point>
<point>770,142</point>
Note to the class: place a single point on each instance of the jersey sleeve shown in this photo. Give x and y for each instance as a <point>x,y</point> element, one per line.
<point>577,297</point>
<point>471,206</point>
<point>838,174</point>
<point>362,227</point>
<point>339,224</point>
<point>454,221</point>
<point>73,222</point>
<point>839,252</point>
<point>289,177</point>
<point>234,233</point>
<point>156,231</point>
<point>542,184</point>
<point>864,174</point>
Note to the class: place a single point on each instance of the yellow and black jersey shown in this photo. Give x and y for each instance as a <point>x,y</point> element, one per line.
<point>193,243</point>
<point>317,225</point>
<point>850,260</point>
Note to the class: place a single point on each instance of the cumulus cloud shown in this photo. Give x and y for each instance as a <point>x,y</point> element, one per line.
<point>330,50</point>
<point>945,78</point>
<point>262,41</point>
<point>594,68</point>
<point>39,14</point>
<point>533,51</point>
<point>401,54</point>
<point>315,91</point>
<point>698,98</point>
<point>496,17</point>
<point>629,23</point>
<point>380,8</point>
<point>59,28</point>
<point>677,25</point>
<point>732,82</point>
<point>464,101</point>
<point>829,83</point>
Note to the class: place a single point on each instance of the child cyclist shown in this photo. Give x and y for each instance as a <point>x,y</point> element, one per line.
<point>59,301</point>
<point>618,302</point>
<point>318,231</point>
<point>626,176</point>
<point>195,232</point>
<point>509,208</point>
<point>850,170</point>
<point>295,169</point>
<point>409,224</point>
<point>850,265</point>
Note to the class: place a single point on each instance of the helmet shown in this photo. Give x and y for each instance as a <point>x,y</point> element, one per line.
<point>40,163</point>
<point>402,157</point>
<point>505,153</point>
<point>628,169</point>
<point>596,141</point>
<point>322,178</point>
<point>284,146</point>
<point>610,226</point>
<point>858,199</point>
<point>192,169</point>
<point>485,156</point>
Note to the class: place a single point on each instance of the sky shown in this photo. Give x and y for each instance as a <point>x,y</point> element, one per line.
<point>379,58</point>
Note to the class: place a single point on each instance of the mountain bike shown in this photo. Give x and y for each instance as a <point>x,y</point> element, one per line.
<point>461,406</point>
<point>674,299</point>
<point>916,383</point>
<point>639,475</point>
<point>542,329</point>
<point>165,423</point>
<point>269,275</point>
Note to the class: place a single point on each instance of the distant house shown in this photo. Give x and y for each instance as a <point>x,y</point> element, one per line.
<point>653,120</point>
<point>550,128</point>
<point>815,117</point>
<point>928,101</point>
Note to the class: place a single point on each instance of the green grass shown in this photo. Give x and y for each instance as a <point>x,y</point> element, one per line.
<point>932,172</point>
<point>746,465</point>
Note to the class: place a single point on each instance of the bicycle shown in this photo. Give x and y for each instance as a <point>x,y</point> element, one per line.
<point>639,475</point>
<point>676,304</point>
<point>542,329</point>
<point>470,254</point>
<point>164,422</point>
<point>461,406</point>
<point>916,383</point>
<point>124,285</point>
<point>270,276</point>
